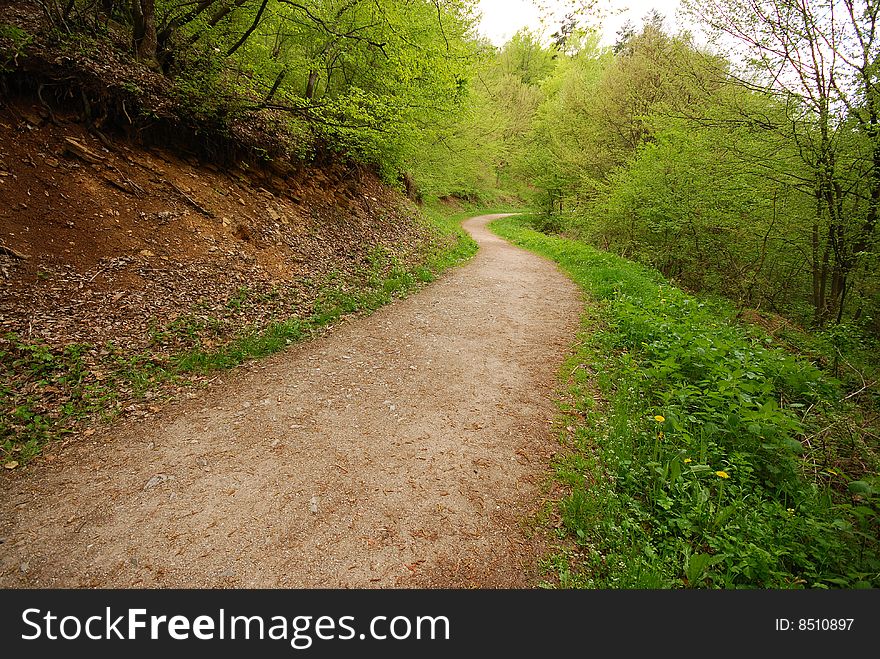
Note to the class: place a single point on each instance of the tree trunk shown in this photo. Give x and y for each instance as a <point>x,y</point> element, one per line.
<point>817,292</point>
<point>311,85</point>
<point>822,309</point>
<point>218,16</point>
<point>278,80</point>
<point>144,31</point>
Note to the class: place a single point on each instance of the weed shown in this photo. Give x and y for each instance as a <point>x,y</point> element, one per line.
<point>688,465</point>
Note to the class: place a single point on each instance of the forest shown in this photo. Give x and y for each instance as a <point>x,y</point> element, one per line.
<point>753,174</point>
<point>715,190</point>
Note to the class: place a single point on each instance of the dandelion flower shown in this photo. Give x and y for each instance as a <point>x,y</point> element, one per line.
<point>722,474</point>
<point>659,419</point>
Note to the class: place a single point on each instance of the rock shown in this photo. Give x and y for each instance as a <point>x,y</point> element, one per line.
<point>12,464</point>
<point>24,567</point>
<point>158,479</point>
<point>147,253</point>
<point>313,505</point>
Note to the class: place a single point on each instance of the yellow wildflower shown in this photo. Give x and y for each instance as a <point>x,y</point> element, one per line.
<point>659,419</point>
<point>687,461</point>
<point>722,474</point>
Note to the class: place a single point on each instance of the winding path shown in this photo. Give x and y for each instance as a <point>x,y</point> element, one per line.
<point>403,449</point>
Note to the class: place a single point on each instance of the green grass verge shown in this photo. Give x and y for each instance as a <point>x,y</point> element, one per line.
<point>45,393</point>
<point>690,461</point>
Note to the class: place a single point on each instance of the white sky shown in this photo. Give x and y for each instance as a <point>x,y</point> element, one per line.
<point>502,18</point>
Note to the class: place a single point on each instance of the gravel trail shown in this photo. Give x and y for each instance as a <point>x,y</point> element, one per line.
<point>403,449</point>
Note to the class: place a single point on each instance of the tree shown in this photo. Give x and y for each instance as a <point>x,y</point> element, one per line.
<point>599,106</point>
<point>820,57</point>
<point>144,30</point>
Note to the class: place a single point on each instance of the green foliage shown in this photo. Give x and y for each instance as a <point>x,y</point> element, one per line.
<point>369,81</point>
<point>474,154</point>
<point>694,473</point>
<point>13,41</point>
<point>374,81</point>
<point>27,371</point>
<point>598,109</point>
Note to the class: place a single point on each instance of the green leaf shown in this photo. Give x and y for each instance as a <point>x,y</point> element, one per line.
<point>860,487</point>
<point>793,445</point>
<point>696,566</point>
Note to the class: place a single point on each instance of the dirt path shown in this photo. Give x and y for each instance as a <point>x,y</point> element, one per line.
<point>404,449</point>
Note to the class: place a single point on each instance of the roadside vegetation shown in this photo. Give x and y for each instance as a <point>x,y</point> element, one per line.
<point>700,453</point>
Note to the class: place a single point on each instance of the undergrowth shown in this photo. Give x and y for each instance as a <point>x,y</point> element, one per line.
<point>691,462</point>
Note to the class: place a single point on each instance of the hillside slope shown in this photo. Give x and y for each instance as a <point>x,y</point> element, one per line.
<point>117,259</point>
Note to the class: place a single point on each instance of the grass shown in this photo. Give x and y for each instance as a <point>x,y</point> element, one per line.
<point>47,393</point>
<point>690,462</point>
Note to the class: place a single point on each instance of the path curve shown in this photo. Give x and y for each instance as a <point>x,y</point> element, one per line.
<point>402,449</point>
